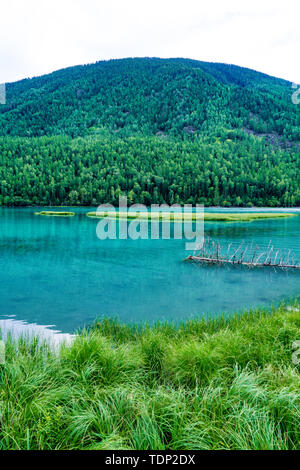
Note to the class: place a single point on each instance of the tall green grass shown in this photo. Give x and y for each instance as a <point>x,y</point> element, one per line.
<point>215,384</point>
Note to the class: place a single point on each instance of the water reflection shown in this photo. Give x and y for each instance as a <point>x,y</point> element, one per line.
<point>9,325</point>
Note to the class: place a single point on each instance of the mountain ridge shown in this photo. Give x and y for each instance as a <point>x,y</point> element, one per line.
<point>149,96</point>
<point>88,64</point>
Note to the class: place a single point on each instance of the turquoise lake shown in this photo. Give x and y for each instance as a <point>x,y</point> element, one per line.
<point>55,271</point>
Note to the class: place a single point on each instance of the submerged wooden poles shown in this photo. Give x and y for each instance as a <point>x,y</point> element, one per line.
<point>251,256</point>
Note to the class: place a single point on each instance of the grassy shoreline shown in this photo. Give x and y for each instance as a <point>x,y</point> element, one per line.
<point>206,384</point>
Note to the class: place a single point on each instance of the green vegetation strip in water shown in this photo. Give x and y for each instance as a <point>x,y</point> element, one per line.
<point>206,384</point>
<point>178,217</point>
<point>56,214</point>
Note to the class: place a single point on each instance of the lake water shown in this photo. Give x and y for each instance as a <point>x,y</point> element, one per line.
<point>55,271</point>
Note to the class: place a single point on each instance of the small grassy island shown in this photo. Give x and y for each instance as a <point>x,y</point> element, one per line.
<point>205,384</point>
<point>178,217</point>
<point>56,214</point>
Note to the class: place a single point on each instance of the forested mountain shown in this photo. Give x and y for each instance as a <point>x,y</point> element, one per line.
<point>159,130</point>
<point>174,96</point>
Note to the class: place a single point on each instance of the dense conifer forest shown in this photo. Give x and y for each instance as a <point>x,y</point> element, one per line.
<point>158,130</point>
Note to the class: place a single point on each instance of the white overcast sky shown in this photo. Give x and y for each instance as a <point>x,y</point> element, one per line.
<point>39,36</point>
